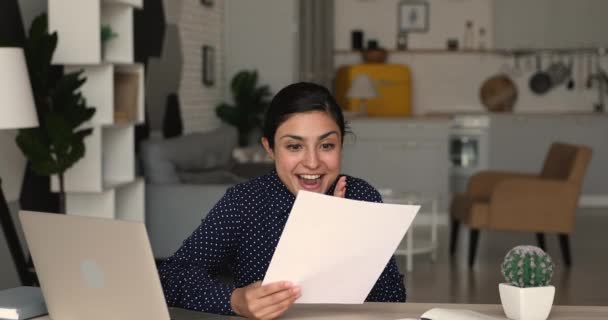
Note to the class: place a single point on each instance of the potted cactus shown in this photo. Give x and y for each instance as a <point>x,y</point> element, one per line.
<point>527,294</point>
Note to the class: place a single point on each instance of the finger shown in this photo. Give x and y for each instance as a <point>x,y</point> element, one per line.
<point>278,297</point>
<point>340,190</point>
<point>280,306</point>
<point>272,288</point>
<point>276,314</point>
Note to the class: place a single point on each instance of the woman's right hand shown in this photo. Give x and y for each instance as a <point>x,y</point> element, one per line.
<point>264,302</point>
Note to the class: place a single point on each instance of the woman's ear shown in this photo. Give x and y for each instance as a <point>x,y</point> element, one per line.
<point>268,148</point>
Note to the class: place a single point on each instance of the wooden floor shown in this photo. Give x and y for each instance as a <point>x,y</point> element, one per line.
<point>584,283</point>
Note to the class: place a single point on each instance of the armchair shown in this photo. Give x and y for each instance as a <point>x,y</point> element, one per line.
<point>510,201</point>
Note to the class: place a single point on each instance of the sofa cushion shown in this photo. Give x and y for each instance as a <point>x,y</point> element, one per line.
<point>165,160</point>
<point>210,177</point>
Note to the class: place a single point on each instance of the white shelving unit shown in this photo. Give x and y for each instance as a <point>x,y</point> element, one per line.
<point>103,183</point>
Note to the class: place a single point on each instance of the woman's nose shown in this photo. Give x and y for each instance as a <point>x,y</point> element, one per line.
<point>311,160</point>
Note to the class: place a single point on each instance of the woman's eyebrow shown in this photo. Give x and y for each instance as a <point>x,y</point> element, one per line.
<point>292,137</point>
<point>321,137</point>
<point>327,134</point>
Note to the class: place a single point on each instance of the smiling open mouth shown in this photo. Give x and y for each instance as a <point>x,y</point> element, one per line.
<point>310,181</point>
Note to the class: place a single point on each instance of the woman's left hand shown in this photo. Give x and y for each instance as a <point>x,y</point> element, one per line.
<point>340,190</point>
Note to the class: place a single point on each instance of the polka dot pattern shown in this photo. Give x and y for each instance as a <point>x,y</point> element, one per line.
<point>240,234</point>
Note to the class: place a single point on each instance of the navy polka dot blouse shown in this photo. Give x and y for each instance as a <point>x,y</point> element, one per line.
<point>240,234</point>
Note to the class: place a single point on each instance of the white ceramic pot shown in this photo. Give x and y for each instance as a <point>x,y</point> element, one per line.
<point>526,303</point>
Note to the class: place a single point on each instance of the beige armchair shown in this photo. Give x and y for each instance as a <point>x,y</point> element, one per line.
<point>544,203</point>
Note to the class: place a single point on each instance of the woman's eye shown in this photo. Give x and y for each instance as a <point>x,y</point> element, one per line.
<point>328,146</point>
<point>294,147</point>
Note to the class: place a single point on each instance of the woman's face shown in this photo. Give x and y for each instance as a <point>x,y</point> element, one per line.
<point>307,150</point>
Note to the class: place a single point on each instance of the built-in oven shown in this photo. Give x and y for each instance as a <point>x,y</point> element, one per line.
<point>469,149</point>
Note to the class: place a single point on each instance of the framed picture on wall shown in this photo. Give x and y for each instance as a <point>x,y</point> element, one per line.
<point>208,66</point>
<point>413,16</point>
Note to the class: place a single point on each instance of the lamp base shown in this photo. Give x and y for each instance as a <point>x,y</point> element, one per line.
<point>363,106</point>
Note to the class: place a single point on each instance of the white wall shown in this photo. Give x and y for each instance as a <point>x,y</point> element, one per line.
<point>378,20</point>
<point>447,82</point>
<point>261,35</point>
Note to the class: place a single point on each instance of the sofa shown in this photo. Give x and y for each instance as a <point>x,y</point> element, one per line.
<point>185,177</point>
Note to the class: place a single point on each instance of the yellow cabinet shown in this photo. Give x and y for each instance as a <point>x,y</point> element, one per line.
<point>392,81</point>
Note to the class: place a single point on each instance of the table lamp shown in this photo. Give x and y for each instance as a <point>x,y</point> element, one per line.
<point>362,88</point>
<point>17,110</point>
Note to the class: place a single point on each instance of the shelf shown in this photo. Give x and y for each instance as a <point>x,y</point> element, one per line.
<point>135,3</point>
<point>108,162</point>
<point>120,18</point>
<point>102,90</point>
<point>98,90</point>
<point>427,51</point>
<point>98,205</point>
<point>78,26</point>
<point>129,94</point>
<point>513,51</point>
<point>87,174</point>
<point>118,154</point>
<point>125,202</point>
<point>130,201</point>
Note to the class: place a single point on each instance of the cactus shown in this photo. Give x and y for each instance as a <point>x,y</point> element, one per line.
<point>527,266</point>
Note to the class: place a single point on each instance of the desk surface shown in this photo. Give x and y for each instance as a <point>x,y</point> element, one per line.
<point>393,311</point>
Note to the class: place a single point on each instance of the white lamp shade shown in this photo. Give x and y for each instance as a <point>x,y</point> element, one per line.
<point>17,108</point>
<point>362,87</point>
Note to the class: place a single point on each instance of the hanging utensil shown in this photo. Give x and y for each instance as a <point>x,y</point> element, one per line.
<point>540,82</point>
<point>589,82</point>
<point>580,74</point>
<point>570,83</point>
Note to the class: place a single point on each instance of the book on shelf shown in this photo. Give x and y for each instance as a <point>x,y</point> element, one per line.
<point>21,303</point>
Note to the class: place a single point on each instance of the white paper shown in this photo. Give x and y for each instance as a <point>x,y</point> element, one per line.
<point>335,249</point>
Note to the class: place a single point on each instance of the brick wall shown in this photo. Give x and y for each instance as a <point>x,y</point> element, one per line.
<point>197,25</point>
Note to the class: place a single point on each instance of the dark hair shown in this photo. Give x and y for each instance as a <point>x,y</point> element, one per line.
<point>300,97</point>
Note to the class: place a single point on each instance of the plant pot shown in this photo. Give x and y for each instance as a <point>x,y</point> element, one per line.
<point>526,303</point>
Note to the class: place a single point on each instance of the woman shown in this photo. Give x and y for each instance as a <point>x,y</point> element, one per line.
<point>303,133</point>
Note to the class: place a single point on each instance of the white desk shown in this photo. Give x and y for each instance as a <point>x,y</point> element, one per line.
<point>424,200</point>
<point>393,311</point>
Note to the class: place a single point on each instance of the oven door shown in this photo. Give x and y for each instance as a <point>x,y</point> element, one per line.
<point>465,151</point>
<point>468,155</point>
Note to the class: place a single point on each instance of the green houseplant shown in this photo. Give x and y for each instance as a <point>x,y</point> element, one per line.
<point>527,295</point>
<point>58,143</point>
<point>250,102</point>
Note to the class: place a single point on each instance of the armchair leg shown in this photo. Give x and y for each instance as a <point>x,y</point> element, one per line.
<point>564,243</point>
<point>540,238</point>
<point>455,227</point>
<point>474,237</point>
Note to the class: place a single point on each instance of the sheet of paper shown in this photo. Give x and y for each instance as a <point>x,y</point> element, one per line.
<point>335,249</point>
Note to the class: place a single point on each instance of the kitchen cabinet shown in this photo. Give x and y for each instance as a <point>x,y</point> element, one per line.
<point>406,155</point>
<point>521,142</point>
<point>550,23</point>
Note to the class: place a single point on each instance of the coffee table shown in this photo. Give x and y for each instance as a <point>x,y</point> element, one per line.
<point>426,201</point>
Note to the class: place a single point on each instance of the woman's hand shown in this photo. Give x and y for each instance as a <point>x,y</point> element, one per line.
<point>264,302</point>
<point>340,190</point>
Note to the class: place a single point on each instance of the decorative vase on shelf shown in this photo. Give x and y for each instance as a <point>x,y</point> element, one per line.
<point>527,295</point>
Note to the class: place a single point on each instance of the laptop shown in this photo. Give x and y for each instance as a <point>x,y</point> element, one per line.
<point>93,268</point>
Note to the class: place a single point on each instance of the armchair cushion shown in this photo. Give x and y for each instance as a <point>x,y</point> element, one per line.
<point>482,183</point>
